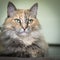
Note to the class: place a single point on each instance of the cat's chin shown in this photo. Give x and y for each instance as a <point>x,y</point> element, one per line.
<point>23,34</point>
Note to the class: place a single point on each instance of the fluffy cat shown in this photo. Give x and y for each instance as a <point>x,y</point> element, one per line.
<point>21,33</point>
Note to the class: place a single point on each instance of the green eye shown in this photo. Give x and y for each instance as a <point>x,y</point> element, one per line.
<point>17,20</point>
<point>30,20</point>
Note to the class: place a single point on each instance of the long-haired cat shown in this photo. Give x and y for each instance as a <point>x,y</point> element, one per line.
<point>21,33</point>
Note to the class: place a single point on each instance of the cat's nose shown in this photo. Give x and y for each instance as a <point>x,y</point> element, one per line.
<point>24,28</point>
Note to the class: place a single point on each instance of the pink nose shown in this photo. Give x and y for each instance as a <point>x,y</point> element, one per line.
<point>24,28</point>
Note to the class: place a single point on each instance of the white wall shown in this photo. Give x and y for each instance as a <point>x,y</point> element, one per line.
<point>48,15</point>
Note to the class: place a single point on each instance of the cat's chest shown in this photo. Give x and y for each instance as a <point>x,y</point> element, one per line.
<point>27,40</point>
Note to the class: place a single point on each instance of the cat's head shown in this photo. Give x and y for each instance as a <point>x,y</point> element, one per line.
<point>23,21</point>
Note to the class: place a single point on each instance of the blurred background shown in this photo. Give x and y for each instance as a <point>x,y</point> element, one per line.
<point>48,16</point>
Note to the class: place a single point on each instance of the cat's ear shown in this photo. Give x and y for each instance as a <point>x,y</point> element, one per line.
<point>33,10</point>
<point>11,9</point>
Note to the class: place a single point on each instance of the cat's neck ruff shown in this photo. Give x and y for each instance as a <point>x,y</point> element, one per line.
<point>27,39</point>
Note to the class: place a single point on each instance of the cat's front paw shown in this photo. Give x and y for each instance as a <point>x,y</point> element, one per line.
<point>35,51</point>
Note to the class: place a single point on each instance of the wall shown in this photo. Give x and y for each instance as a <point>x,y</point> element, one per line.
<point>48,15</point>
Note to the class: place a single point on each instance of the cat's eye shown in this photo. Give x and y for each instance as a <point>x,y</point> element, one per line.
<point>30,20</point>
<point>17,20</point>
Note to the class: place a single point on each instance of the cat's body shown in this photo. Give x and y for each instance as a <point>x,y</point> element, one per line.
<point>21,33</point>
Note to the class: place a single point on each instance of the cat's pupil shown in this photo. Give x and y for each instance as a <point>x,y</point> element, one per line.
<point>17,20</point>
<point>30,20</point>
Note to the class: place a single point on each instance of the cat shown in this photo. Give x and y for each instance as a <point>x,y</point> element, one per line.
<point>21,33</point>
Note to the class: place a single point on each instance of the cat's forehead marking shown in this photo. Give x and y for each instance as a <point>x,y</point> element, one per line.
<point>22,14</point>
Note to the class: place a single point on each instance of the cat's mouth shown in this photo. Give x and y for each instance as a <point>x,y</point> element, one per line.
<point>23,32</point>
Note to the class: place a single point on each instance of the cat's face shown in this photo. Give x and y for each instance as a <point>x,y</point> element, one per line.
<point>22,21</point>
